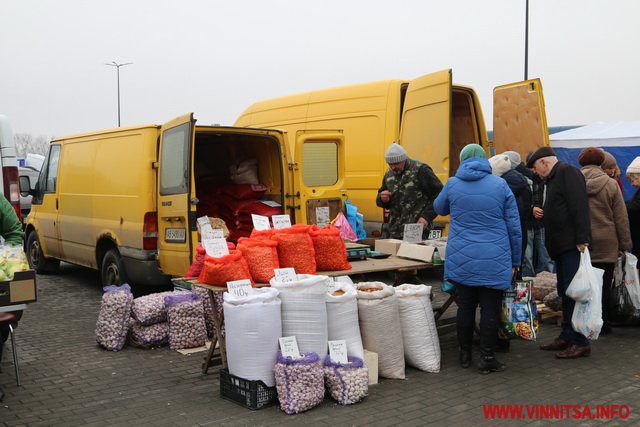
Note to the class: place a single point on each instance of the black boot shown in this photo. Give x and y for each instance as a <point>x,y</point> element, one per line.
<point>488,362</point>
<point>465,337</point>
<point>1,394</point>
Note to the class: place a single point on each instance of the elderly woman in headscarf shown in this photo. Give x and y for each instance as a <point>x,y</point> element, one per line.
<point>484,248</point>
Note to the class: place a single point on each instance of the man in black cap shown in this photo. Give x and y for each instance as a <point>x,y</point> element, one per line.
<point>567,233</point>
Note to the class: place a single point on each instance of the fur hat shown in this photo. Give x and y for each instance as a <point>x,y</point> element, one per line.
<point>539,154</point>
<point>395,154</point>
<point>591,156</point>
<point>634,167</point>
<point>500,164</point>
<point>609,161</point>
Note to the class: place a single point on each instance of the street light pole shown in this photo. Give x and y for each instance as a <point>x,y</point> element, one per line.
<point>526,43</point>
<point>115,64</point>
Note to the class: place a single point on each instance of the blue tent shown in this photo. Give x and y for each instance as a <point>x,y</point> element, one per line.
<point>620,139</point>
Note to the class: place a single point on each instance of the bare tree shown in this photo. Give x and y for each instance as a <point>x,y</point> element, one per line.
<point>27,143</point>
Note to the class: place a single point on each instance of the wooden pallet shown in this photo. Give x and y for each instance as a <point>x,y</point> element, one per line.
<point>545,312</point>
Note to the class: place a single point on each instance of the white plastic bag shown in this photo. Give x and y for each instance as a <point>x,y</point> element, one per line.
<point>587,316</point>
<point>253,328</point>
<point>627,273</point>
<point>304,312</point>
<point>380,327</point>
<point>580,289</point>
<point>419,332</point>
<point>342,317</point>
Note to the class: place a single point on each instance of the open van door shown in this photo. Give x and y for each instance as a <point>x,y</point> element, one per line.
<point>426,121</point>
<point>318,175</point>
<point>519,118</point>
<point>174,195</point>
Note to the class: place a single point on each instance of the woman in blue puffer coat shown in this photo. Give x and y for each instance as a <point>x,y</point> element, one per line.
<point>484,248</point>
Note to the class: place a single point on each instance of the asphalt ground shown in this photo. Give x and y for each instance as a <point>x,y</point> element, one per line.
<point>67,380</point>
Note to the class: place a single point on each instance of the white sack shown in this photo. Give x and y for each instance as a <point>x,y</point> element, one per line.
<point>342,318</point>
<point>304,312</point>
<point>253,327</point>
<point>419,332</point>
<point>380,327</point>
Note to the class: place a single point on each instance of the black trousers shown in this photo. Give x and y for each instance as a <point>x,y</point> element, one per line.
<point>567,264</point>
<point>489,299</point>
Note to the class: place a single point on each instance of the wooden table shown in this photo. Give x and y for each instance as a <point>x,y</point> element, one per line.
<point>368,265</point>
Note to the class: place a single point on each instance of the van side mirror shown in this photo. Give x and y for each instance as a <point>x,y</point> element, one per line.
<point>25,186</point>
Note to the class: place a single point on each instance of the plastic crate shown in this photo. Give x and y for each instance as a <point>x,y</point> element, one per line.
<point>250,394</point>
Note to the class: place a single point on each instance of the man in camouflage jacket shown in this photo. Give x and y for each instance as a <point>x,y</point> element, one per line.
<point>408,190</point>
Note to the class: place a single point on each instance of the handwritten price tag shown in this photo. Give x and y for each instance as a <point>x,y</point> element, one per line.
<point>289,347</point>
<point>260,222</point>
<point>217,233</point>
<point>203,220</point>
<point>322,216</point>
<point>338,351</point>
<point>239,288</point>
<point>285,274</point>
<point>412,233</point>
<point>281,221</point>
<point>216,248</point>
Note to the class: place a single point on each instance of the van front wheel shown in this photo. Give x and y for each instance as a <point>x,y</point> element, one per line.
<point>36,258</point>
<point>112,271</point>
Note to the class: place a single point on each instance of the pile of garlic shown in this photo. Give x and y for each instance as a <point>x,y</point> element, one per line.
<point>114,318</point>
<point>347,383</point>
<point>299,382</point>
<point>185,315</point>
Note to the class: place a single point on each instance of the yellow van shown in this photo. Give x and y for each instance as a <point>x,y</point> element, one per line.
<point>431,117</point>
<point>125,201</point>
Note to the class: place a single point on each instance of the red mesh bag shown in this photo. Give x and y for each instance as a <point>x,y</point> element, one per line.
<point>331,253</point>
<point>196,267</point>
<point>295,249</point>
<point>237,233</point>
<point>244,191</point>
<point>261,256</point>
<point>235,205</point>
<point>259,208</point>
<point>262,234</point>
<point>219,271</point>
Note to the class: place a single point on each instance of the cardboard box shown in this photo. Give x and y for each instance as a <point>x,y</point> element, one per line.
<point>371,360</point>
<point>416,251</point>
<point>20,290</point>
<point>388,246</point>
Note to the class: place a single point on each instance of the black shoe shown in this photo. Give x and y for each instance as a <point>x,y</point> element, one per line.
<point>490,364</point>
<point>465,358</point>
<point>1,394</point>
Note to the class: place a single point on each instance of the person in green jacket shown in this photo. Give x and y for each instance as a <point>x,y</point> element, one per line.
<point>11,232</point>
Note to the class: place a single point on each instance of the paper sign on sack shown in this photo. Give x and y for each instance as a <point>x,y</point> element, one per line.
<point>281,221</point>
<point>338,351</point>
<point>322,216</point>
<point>216,248</point>
<point>211,233</point>
<point>289,347</point>
<point>239,288</point>
<point>203,221</point>
<point>285,274</point>
<point>412,233</point>
<point>260,222</point>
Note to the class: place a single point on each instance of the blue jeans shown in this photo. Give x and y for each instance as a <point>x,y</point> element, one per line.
<point>535,241</point>
<point>567,265</point>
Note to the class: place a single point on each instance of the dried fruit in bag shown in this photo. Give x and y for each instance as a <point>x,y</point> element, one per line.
<point>295,249</point>
<point>331,252</point>
<point>261,257</point>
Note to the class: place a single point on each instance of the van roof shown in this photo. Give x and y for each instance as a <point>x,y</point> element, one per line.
<point>106,131</point>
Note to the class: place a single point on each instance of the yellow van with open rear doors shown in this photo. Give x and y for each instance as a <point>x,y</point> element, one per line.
<point>125,201</point>
<point>431,117</point>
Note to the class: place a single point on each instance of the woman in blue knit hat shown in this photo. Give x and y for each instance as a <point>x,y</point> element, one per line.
<point>483,250</point>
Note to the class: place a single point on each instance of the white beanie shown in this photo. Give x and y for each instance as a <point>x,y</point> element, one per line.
<point>634,167</point>
<point>500,164</point>
<point>395,154</point>
<point>514,158</point>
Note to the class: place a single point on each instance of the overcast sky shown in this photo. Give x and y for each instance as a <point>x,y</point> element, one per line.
<point>215,58</point>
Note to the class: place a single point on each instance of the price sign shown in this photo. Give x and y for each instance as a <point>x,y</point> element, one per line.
<point>331,285</point>
<point>289,347</point>
<point>322,216</point>
<point>260,222</point>
<point>284,275</point>
<point>338,351</point>
<point>216,248</point>
<point>412,233</point>
<point>203,220</point>
<point>271,203</point>
<point>217,233</point>
<point>239,288</point>
<point>281,221</point>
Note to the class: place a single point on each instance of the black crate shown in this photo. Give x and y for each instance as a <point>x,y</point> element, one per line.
<point>250,394</point>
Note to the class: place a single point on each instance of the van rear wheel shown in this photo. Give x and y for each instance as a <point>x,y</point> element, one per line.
<point>112,270</point>
<point>36,258</point>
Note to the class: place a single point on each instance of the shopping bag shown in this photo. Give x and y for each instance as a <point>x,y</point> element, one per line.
<point>448,287</point>
<point>346,231</point>
<point>519,313</point>
<point>587,316</point>
<point>579,289</point>
<point>627,275</point>
<point>356,220</point>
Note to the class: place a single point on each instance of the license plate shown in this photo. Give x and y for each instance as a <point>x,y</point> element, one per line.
<point>435,234</point>
<point>175,235</point>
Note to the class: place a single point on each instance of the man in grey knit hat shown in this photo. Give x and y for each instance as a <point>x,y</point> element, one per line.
<point>408,190</point>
